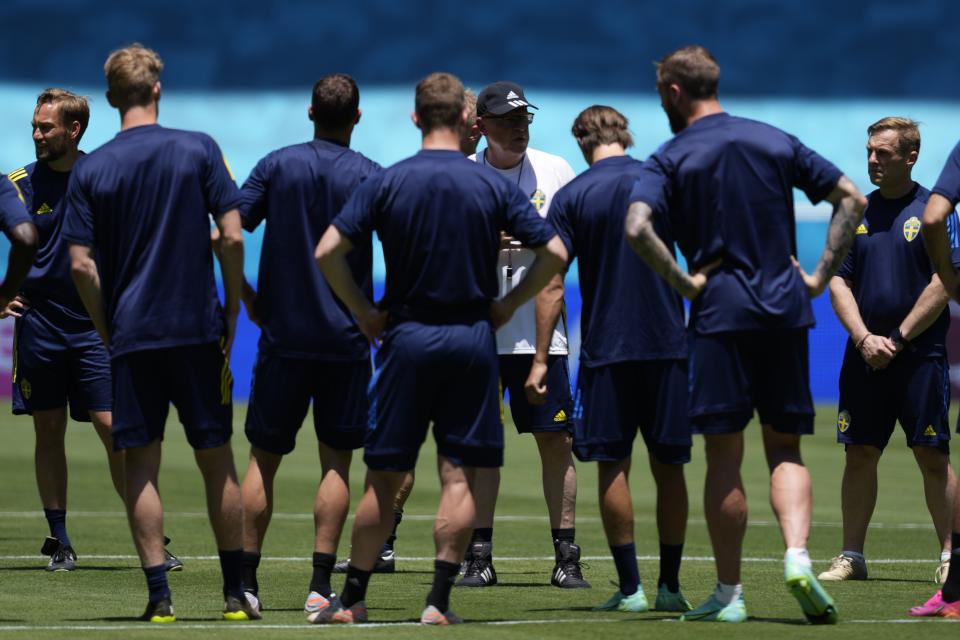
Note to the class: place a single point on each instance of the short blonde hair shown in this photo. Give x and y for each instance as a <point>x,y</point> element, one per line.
<point>131,74</point>
<point>908,132</point>
<point>470,100</point>
<point>73,108</point>
<point>439,102</point>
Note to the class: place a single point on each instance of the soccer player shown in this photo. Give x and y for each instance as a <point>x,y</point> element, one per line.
<point>439,216</point>
<point>939,233</point>
<point>58,356</point>
<point>141,204</point>
<point>726,185</point>
<point>532,344</point>
<point>386,563</point>
<point>310,346</point>
<point>16,224</point>
<point>633,358</point>
<point>891,302</point>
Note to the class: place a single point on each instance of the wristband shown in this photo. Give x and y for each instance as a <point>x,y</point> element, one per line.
<point>862,340</point>
<point>897,337</point>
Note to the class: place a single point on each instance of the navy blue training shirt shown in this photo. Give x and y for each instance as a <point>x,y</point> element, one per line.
<point>948,184</point>
<point>13,212</point>
<point>49,287</point>
<point>298,190</point>
<point>629,312</point>
<point>143,201</point>
<point>726,184</point>
<point>889,267</point>
<point>439,217</point>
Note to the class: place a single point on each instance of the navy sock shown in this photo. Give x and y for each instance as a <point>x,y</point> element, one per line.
<point>157,582</point>
<point>955,541</point>
<point>484,534</point>
<point>231,566</point>
<point>57,520</point>
<point>670,555</point>
<point>322,568</point>
<point>388,545</point>
<point>355,589</point>
<point>444,574</point>
<point>628,574</point>
<point>251,562</point>
<point>951,588</point>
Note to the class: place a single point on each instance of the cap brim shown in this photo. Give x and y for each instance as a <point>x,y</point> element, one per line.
<point>507,107</point>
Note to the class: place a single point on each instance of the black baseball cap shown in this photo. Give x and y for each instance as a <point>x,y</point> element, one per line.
<point>501,97</point>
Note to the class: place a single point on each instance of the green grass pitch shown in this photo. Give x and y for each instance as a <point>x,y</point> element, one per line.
<point>108,590</point>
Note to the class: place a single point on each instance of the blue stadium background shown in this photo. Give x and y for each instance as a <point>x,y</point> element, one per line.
<point>242,71</point>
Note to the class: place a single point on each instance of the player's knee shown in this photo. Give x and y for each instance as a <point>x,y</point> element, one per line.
<point>932,461</point>
<point>862,456</point>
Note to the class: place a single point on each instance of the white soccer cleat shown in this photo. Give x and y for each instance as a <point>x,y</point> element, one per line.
<point>845,568</point>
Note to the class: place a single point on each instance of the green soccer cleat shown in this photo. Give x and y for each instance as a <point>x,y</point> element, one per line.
<point>715,611</point>
<point>634,603</point>
<point>816,603</point>
<point>240,609</point>
<point>160,612</point>
<point>669,601</point>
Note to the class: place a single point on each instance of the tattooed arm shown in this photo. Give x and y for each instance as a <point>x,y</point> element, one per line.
<point>648,245</point>
<point>848,205</point>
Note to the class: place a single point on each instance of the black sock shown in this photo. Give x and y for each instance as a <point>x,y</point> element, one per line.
<point>388,545</point>
<point>157,582</point>
<point>628,574</point>
<point>322,568</point>
<point>484,534</point>
<point>955,540</point>
<point>951,587</point>
<point>670,555</point>
<point>57,521</point>
<point>251,562</point>
<point>444,574</point>
<point>563,535</point>
<point>355,589</point>
<point>231,566</point>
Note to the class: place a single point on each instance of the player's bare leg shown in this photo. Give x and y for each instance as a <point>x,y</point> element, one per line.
<point>50,459</point>
<point>333,498</point>
<point>457,510</point>
<point>939,487</point>
<point>559,477</point>
<point>103,425</point>
<point>673,506</point>
<point>725,503</point>
<point>858,494</point>
<point>486,488</point>
<point>405,490</point>
<point>791,495</point>
<point>616,505</point>
<point>257,496</point>
<point>371,522</point>
<point>144,508</point>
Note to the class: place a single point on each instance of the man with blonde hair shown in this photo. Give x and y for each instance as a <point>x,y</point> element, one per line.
<point>891,301</point>
<point>59,359</point>
<point>439,216</point>
<point>142,204</point>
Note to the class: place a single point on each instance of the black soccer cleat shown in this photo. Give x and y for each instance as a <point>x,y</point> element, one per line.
<point>62,557</point>
<point>159,612</point>
<point>479,571</point>
<point>567,572</point>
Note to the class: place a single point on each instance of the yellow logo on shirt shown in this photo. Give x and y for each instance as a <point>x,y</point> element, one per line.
<point>843,421</point>
<point>25,388</point>
<point>44,208</point>
<point>561,416</point>
<point>538,199</point>
<point>862,229</point>
<point>911,228</point>
<point>930,432</point>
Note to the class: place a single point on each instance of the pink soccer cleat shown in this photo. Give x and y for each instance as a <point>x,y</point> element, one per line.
<point>937,607</point>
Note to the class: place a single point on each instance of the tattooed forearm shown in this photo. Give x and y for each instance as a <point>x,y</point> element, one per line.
<point>648,245</point>
<point>848,206</point>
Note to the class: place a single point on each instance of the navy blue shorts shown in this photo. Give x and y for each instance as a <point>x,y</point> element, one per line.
<point>195,378</point>
<point>280,395</point>
<point>733,373</point>
<point>52,369</point>
<point>554,414</point>
<point>446,374</point>
<point>614,400</point>
<point>914,391</point>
